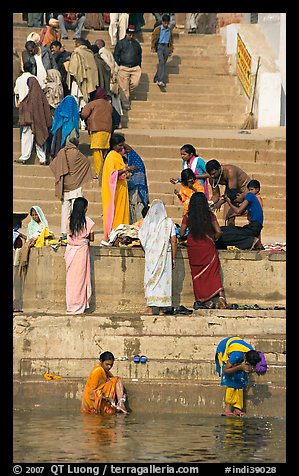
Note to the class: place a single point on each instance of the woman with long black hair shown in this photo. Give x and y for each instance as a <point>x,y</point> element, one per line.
<point>77,258</point>
<point>202,253</point>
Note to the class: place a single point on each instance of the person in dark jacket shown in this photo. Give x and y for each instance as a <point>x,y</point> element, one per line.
<point>61,56</point>
<point>128,55</point>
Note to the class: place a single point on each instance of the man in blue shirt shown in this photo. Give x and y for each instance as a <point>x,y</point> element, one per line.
<point>162,43</point>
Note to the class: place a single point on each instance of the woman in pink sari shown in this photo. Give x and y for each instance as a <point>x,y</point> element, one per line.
<point>77,258</point>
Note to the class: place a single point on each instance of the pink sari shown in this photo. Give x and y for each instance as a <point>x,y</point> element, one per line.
<point>77,260</point>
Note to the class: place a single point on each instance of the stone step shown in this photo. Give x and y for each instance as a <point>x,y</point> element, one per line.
<point>193,70</point>
<point>202,107</point>
<point>183,50</point>
<point>172,97</point>
<point>208,114</point>
<point>149,86</point>
<point>163,125</point>
<point>217,81</point>
<point>154,369</point>
<point>52,208</point>
<point>201,398</point>
<point>155,156</point>
<point>273,185</point>
<point>199,138</point>
<point>270,185</point>
<point>22,31</point>
<point>271,204</point>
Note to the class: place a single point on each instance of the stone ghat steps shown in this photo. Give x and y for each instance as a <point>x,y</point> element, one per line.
<point>272,203</point>
<point>154,369</point>
<point>21,31</point>
<point>200,398</point>
<point>182,84</point>
<point>178,347</point>
<point>196,107</point>
<point>179,124</point>
<point>193,338</point>
<point>201,138</point>
<point>42,189</point>
<point>156,95</point>
<point>168,160</point>
<point>219,82</point>
<point>173,206</point>
<point>208,54</point>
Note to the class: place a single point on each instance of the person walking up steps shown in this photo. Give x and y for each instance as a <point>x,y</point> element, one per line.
<point>162,44</point>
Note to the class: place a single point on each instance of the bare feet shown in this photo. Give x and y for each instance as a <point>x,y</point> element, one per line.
<point>149,311</point>
<point>221,303</point>
<point>238,412</point>
<point>120,407</point>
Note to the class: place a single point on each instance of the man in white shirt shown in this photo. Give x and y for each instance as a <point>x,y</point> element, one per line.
<point>21,88</point>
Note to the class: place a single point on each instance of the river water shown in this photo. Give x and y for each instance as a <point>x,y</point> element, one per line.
<point>47,436</point>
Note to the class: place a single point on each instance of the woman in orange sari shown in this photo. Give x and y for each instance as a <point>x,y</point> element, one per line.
<point>115,195</point>
<point>103,392</point>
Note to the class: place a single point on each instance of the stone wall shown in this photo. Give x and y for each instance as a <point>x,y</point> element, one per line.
<point>117,279</point>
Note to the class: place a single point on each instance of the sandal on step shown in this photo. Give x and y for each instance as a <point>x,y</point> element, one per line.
<point>136,359</point>
<point>143,359</point>
<point>210,305</point>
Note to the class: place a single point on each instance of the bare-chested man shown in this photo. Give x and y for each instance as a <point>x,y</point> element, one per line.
<point>235,181</point>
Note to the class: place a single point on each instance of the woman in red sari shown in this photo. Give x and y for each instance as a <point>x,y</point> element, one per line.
<point>202,253</point>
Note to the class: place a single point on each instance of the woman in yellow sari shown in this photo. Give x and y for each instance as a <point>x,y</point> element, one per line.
<point>103,392</point>
<point>115,196</point>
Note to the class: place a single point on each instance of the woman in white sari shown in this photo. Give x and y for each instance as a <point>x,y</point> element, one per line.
<point>37,223</point>
<point>158,239</point>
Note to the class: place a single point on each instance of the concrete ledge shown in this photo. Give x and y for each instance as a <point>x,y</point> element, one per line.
<point>156,369</point>
<point>205,398</point>
<point>117,279</point>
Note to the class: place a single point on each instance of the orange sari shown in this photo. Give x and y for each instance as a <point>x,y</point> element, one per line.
<point>99,385</point>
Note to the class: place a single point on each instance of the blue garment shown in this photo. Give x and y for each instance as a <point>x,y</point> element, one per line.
<point>138,178</point>
<point>254,208</point>
<point>164,35</point>
<point>66,116</point>
<point>238,379</point>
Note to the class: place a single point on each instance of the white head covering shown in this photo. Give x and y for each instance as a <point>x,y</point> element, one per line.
<point>34,229</point>
<point>33,36</point>
<point>154,235</point>
<point>53,22</point>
